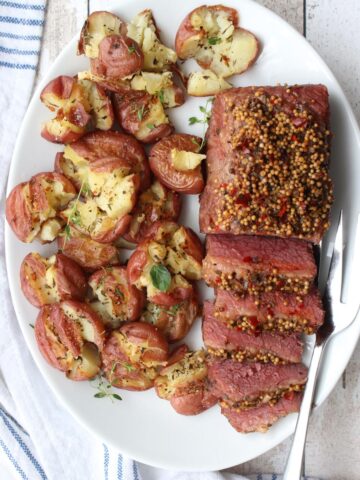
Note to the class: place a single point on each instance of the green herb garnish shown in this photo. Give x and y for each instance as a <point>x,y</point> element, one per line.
<point>160,95</point>
<point>160,277</point>
<point>140,112</point>
<point>214,40</point>
<point>104,388</point>
<point>118,292</point>
<point>203,119</point>
<point>150,126</point>
<point>132,49</point>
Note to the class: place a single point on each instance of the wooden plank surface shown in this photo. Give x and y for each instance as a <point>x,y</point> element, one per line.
<point>332,27</point>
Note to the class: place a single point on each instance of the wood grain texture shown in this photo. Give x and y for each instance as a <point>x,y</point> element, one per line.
<point>331,26</point>
<point>63,20</point>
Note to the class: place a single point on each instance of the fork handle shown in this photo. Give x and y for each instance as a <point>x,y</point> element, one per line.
<point>293,468</point>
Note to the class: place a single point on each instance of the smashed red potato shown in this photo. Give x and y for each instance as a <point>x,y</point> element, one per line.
<point>157,203</point>
<point>98,154</point>
<point>165,261</point>
<point>142,115</point>
<point>133,355</point>
<point>211,35</point>
<point>88,253</point>
<point>157,57</point>
<point>174,321</point>
<point>184,382</point>
<point>176,162</point>
<point>50,280</point>
<point>112,54</point>
<point>70,335</point>
<point>33,207</point>
<point>116,300</point>
<point>79,106</point>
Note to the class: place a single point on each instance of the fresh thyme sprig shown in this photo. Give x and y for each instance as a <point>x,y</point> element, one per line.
<point>74,216</point>
<point>204,119</point>
<point>104,388</point>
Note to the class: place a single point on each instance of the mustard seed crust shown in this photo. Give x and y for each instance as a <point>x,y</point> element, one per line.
<point>268,158</point>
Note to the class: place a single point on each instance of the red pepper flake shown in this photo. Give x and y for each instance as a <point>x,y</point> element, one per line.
<point>254,322</point>
<point>280,283</point>
<point>270,311</point>
<point>217,228</point>
<point>218,280</point>
<point>247,259</point>
<point>282,210</point>
<point>294,138</point>
<point>289,395</point>
<point>243,200</point>
<point>233,192</point>
<point>223,185</point>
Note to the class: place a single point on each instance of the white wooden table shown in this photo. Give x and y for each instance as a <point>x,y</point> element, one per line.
<point>332,27</point>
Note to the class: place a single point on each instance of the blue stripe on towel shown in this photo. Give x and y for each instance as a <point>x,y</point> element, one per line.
<point>21,5</point>
<point>119,467</point>
<point>12,419</point>
<point>18,52</point>
<point>19,37</point>
<point>23,446</point>
<point>106,462</point>
<point>22,21</point>
<point>135,471</point>
<point>13,461</point>
<point>18,66</point>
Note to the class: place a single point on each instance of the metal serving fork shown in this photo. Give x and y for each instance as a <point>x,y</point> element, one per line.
<point>338,316</point>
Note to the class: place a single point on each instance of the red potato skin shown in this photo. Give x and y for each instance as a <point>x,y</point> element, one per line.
<point>190,182</point>
<point>81,43</point>
<point>97,146</point>
<point>157,349</point>
<point>126,108</point>
<point>153,214</point>
<point>67,137</point>
<point>119,229</point>
<point>76,114</point>
<point>133,298</point>
<point>88,253</point>
<point>176,326</point>
<point>186,30</point>
<point>70,279</point>
<point>68,332</point>
<point>18,214</point>
<point>115,359</point>
<point>175,296</point>
<point>119,56</point>
<point>60,86</point>
<point>86,311</point>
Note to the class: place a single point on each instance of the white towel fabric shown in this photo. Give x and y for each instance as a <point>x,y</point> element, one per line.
<point>38,439</point>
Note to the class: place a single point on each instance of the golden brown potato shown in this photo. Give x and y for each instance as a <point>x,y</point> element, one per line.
<point>205,83</point>
<point>162,263</point>
<point>88,253</point>
<point>32,207</point>
<point>50,280</point>
<point>175,321</point>
<point>160,84</point>
<point>176,162</point>
<point>157,57</point>
<point>78,105</point>
<point>211,35</point>
<point>105,217</point>
<point>142,115</point>
<point>70,335</point>
<point>96,155</point>
<point>157,203</point>
<point>97,26</point>
<point>117,301</point>
<point>132,356</point>
<point>184,382</point>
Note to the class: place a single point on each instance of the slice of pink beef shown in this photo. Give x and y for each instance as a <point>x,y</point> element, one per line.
<point>217,335</point>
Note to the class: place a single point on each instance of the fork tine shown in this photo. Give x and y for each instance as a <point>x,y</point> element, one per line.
<point>334,282</point>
